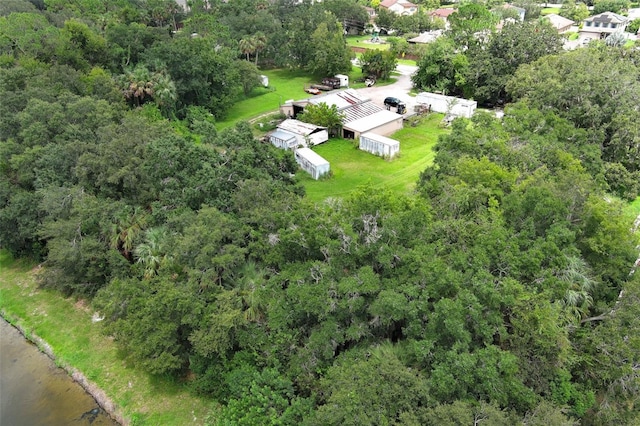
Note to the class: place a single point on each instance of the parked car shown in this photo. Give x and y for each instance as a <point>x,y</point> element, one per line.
<point>392,102</point>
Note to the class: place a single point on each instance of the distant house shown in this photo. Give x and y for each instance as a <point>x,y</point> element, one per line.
<point>371,12</point>
<point>443,14</point>
<point>294,133</point>
<point>379,145</point>
<point>311,162</point>
<point>360,114</point>
<point>520,11</point>
<point>601,25</point>
<point>399,7</point>
<point>560,23</point>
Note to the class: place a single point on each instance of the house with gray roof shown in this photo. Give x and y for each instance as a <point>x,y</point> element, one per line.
<point>602,25</point>
<point>560,23</point>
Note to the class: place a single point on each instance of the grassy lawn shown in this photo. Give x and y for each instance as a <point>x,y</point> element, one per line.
<point>352,167</point>
<point>283,85</point>
<point>634,207</point>
<point>65,324</point>
<point>362,41</point>
<point>550,10</point>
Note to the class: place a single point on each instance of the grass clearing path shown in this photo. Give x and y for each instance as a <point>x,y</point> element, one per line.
<point>66,325</point>
<point>352,168</point>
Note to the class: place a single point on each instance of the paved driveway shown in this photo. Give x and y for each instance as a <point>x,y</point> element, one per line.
<point>400,89</point>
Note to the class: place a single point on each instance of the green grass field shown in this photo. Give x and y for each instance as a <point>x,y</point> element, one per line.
<point>352,168</point>
<point>550,10</point>
<point>65,324</point>
<point>362,41</point>
<point>634,207</point>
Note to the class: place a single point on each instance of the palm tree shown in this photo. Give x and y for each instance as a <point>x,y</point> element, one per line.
<point>247,45</point>
<point>164,91</point>
<point>138,85</point>
<point>251,278</point>
<point>152,252</point>
<point>577,299</point>
<point>259,42</point>
<point>127,227</point>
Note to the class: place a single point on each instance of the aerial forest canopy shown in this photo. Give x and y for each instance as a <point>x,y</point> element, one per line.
<point>500,291</point>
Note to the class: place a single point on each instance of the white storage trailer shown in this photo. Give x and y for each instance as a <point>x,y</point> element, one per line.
<point>283,140</point>
<point>344,80</point>
<point>447,104</point>
<point>379,145</point>
<point>311,162</point>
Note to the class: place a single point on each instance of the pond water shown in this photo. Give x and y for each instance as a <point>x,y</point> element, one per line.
<point>34,392</point>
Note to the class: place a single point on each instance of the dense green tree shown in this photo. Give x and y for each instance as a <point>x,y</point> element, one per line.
<point>470,20</point>
<point>323,115</point>
<point>615,6</point>
<point>332,55</point>
<point>491,65</point>
<point>443,68</point>
<point>563,84</point>
<point>204,73</point>
<point>150,319</point>
<point>352,390</point>
<point>576,11</point>
<point>28,34</point>
<point>378,63</point>
<point>127,42</point>
<point>249,76</point>
<point>16,6</point>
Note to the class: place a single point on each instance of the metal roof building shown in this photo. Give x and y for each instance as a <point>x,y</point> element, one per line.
<point>361,115</point>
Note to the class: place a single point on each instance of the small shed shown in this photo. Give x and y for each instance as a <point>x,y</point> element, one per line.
<point>306,134</point>
<point>344,80</point>
<point>379,145</point>
<point>283,139</point>
<point>311,162</point>
<point>447,104</point>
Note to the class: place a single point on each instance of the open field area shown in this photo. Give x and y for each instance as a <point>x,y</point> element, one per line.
<point>352,167</point>
<point>363,41</point>
<point>65,324</point>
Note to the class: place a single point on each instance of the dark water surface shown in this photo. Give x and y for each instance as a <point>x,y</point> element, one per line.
<point>34,392</point>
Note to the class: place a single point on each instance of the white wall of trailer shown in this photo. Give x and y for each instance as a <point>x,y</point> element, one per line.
<point>311,162</point>
<point>379,145</point>
<point>447,104</point>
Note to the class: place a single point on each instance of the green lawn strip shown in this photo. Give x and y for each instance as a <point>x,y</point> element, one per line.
<point>65,324</point>
<point>634,207</point>
<point>363,41</point>
<point>352,168</point>
<point>550,10</point>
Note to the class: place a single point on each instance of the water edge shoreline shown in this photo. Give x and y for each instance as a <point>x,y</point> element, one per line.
<point>99,395</point>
